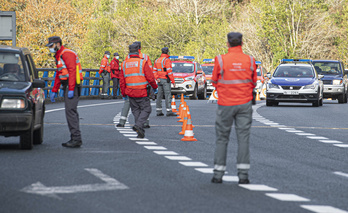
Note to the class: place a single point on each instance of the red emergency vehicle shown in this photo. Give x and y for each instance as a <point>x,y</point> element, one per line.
<point>208,68</point>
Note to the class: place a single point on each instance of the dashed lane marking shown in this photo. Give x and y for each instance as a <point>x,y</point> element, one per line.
<point>304,133</point>
<point>287,197</point>
<point>330,141</point>
<point>146,143</point>
<point>165,153</point>
<point>341,174</point>
<point>323,209</point>
<point>200,164</point>
<point>177,158</point>
<point>155,147</point>
<point>229,178</point>
<point>317,137</point>
<point>341,145</point>
<point>257,187</point>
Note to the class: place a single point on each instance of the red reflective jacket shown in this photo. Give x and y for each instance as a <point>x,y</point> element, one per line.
<point>115,68</point>
<point>163,67</point>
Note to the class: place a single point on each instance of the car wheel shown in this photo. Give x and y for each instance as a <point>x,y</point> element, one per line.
<point>38,134</point>
<point>316,103</point>
<point>345,98</point>
<point>321,102</point>
<point>275,103</point>
<point>269,103</point>
<point>203,95</point>
<point>26,139</point>
<point>195,94</point>
<point>341,98</point>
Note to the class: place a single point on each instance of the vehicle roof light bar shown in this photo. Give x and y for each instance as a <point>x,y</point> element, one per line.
<point>182,57</point>
<point>258,62</point>
<point>208,60</point>
<point>283,61</point>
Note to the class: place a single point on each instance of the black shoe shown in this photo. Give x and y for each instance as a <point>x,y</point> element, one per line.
<point>243,181</point>
<point>146,126</point>
<point>216,180</point>
<point>72,144</point>
<point>160,114</point>
<point>170,114</point>
<point>141,132</point>
<point>120,125</point>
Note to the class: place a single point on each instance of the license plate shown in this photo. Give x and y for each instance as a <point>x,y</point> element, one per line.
<point>290,92</point>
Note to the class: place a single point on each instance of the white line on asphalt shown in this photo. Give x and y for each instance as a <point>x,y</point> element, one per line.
<point>178,158</point>
<point>205,170</point>
<point>323,209</point>
<point>317,137</point>
<point>304,133</point>
<point>138,139</point>
<point>165,153</point>
<point>193,163</point>
<point>126,132</point>
<point>341,174</point>
<point>257,187</point>
<point>287,197</point>
<point>294,131</point>
<point>286,128</point>
<point>131,135</point>
<point>155,147</point>
<point>146,143</point>
<point>230,178</point>
<point>90,105</point>
<point>272,123</point>
<point>330,141</point>
<point>341,145</point>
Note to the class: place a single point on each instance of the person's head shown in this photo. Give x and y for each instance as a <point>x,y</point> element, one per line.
<point>54,43</point>
<point>139,44</point>
<point>116,56</point>
<point>165,50</point>
<point>107,54</point>
<point>134,49</point>
<point>234,39</point>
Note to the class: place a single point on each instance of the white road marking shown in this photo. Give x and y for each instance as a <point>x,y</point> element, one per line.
<point>272,123</point>
<point>257,187</point>
<point>110,184</point>
<point>330,141</point>
<point>131,135</point>
<point>178,158</point>
<point>317,137</point>
<point>294,131</point>
<point>341,145</point>
<point>138,139</point>
<point>165,153</point>
<point>146,143</point>
<point>126,132</point>
<point>155,147</point>
<point>90,105</point>
<point>205,170</point>
<point>190,163</point>
<point>229,178</point>
<point>341,174</point>
<point>304,133</point>
<point>286,128</point>
<point>287,197</point>
<point>323,209</point>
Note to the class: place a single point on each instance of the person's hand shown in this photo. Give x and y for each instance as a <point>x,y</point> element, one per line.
<point>158,80</point>
<point>125,98</point>
<point>71,94</point>
<point>155,91</point>
<point>52,96</point>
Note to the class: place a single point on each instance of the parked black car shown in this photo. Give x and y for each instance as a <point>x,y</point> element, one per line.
<point>22,99</point>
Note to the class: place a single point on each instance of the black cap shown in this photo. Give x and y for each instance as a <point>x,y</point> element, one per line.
<point>165,50</point>
<point>138,43</point>
<point>52,40</point>
<point>116,54</point>
<point>133,48</point>
<point>107,52</point>
<point>234,38</point>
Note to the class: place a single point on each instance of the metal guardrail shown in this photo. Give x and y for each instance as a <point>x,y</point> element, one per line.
<point>91,84</point>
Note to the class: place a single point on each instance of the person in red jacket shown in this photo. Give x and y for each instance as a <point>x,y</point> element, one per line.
<point>234,77</point>
<point>115,70</point>
<point>104,71</point>
<point>135,76</point>
<point>67,62</point>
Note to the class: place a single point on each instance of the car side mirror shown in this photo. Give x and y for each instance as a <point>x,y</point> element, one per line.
<point>268,75</point>
<point>320,76</point>
<point>37,83</point>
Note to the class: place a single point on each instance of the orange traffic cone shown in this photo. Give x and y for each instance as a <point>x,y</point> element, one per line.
<point>257,96</point>
<point>181,109</point>
<point>184,124</point>
<point>188,136</point>
<point>183,113</point>
<point>174,104</point>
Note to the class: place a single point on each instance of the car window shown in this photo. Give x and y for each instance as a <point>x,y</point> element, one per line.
<point>182,67</point>
<point>11,67</point>
<point>294,72</point>
<point>327,68</point>
<point>208,70</point>
<point>31,67</point>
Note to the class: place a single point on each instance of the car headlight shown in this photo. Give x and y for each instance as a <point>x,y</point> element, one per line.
<point>189,78</point>
<point>337,82</point>
<point>273,86</point>
<point>12,103</point>
<point>309,86</point>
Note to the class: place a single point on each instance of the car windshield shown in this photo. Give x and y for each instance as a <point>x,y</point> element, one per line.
<point>294,72</point>
<point>183,67</point>
<point>11,67</point>
<point>208,70</point>
<point>327,68</point>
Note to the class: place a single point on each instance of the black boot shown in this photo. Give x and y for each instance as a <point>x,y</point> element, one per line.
<point>72,144</point>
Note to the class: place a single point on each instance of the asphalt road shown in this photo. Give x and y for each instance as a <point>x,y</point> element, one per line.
<point>299,163</point>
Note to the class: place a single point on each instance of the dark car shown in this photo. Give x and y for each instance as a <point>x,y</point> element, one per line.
<point>22,106</point>
<point>335,79</point>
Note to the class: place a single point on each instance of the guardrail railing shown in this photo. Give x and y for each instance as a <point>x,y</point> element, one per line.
<point>91,84</point>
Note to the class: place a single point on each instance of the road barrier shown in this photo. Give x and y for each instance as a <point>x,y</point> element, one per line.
<point>91,84</point>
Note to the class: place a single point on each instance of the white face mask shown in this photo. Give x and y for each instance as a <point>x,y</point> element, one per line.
<point>117,57</point>
<point>108,56</point>
<point>53,50</point>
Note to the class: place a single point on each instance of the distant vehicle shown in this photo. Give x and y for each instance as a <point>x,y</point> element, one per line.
<point>261,77</point>
<point>22,106</point>
<point>295,80</point>
<point>335,79</point>
<point>189,77</point>
<point>208,68</point>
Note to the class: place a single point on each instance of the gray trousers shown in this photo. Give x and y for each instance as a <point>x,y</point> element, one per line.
<point>163,88</point>
<point>141,110</point>
<point>106,82</point>
<point>115,82</point>
<point>71,114</point>
<point>125,111</point>
<point>241,116</point>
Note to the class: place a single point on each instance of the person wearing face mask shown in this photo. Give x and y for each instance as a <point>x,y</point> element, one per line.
<point>69,75</point>
<point>115,69</point>
<point>104,71</point>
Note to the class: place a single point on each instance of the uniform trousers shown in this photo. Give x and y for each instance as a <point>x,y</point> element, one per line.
<point>71,114</point>
<point>106,82</point>
<point>141,110</point>
<point>125,111</point>
<point>163,88</point>
<point>115,85</point>
<point>241,116</point>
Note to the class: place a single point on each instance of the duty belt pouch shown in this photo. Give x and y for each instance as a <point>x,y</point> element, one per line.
<point>64,84</point>
<point>168,80</point>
